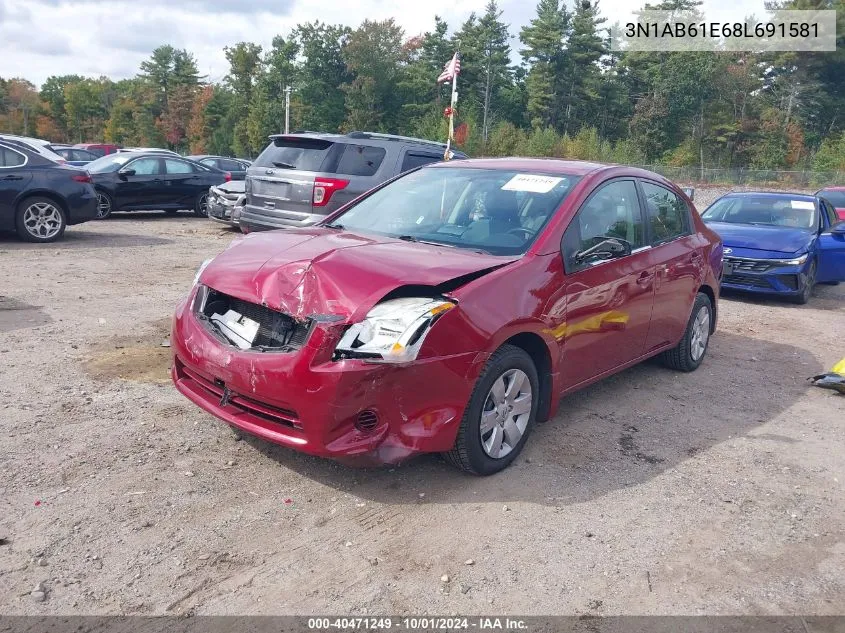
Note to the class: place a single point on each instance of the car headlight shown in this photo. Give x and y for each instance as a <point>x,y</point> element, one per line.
<point>202,267</point>
<point>795,262</point>
<point>393,331</point>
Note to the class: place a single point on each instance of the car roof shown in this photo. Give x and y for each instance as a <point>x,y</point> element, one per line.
<point>543,165</point>
<point>26,139</point>
<point>361,136</point>
<point>770,194</point>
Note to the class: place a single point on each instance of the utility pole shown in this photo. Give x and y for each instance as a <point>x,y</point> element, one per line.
<point>287,109</point>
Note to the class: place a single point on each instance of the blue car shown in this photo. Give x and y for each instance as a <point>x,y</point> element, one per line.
<point>778,243</point>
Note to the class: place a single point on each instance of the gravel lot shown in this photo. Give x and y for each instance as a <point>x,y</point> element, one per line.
<point>716,492</point>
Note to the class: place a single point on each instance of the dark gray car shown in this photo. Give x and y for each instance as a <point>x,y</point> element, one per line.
<point>303,177</point>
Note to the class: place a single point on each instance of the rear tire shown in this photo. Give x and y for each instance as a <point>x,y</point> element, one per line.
<point>500,415</point>
<point>105,205</point>
<point>201,205</point>
<point>687,355</point>
<point>40,220</point>
<point>807,290</point>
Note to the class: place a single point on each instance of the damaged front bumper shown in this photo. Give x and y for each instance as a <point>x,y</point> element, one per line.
<point>295,395</point>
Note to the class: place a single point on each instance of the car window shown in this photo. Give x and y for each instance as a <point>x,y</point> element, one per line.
<point>229,165</point>
<point>302,153</point>
<point>413,160</point>
<point>776,210</point>
<point>360,160</point>
<point>96,151</point>
<point>667,214</point>
<point>177,167</point>
<point>830,213</point>
<point>477,209</point>
<point>146,166</point>
<point>210,162</point>
<point>836,198</point>
<point>612,211</point>
<point>11,158</point>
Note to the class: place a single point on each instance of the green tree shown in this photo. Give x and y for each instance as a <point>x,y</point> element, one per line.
<point>244,69</point>
<point>321,73</point>
<point>543,48</point>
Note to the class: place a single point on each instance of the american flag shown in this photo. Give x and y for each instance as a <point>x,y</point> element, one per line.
<point>452,68</point>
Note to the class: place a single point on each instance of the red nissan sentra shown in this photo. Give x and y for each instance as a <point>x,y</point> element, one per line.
<point>449,309</point>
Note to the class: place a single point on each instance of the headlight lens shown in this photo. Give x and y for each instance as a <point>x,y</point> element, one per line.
<point>797,261</point>
<point>202,267</point>
<point>393,331</point>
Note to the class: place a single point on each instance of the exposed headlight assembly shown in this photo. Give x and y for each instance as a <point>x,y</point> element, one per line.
<point>202,267</point>
<point>393,331</point>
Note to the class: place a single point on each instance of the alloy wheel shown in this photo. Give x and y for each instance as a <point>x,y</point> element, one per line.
<point>505,414</point>
<point>700,333</point>
<point>42,220</point>
<point>103,206</point>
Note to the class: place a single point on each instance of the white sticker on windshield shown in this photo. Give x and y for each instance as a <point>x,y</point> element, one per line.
<point>533,183</point>
<point>803,204</point>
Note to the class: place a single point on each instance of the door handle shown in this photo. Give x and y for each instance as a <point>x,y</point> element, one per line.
<point>13,178</point>
<point>645,279</point>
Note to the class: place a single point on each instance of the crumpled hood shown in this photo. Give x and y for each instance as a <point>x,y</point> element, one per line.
<point>317,271</point>
<point>764,238</point>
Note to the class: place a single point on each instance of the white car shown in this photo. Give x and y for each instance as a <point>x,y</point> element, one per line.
<point>148,149</point>
<point>37,145</point>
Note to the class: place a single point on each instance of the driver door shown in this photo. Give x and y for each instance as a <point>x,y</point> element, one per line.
<point>831,247</point>
<point>608,302</point>
<point>143,189</point>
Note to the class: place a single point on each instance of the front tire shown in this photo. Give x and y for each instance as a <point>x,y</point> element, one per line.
<point>807,289</point>
<point>105,205</point>
<point>688,354</point>
<point>201,206</point>
<point>500,414</point>
<point>40,220</point>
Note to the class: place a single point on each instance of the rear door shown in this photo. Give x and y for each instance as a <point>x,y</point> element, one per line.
<point>184,183</point>
<point>608,302</point>
<point>413,158</point>
<point>831,246</point>
<point>677,259</point>
<point>14,178</point>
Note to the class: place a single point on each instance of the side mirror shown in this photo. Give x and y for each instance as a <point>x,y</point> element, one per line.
<point>838,229</point>
<point>609,248</point>
<point>125,173</point>
<point>690,191</point>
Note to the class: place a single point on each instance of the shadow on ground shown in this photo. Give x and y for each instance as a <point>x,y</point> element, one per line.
<point>618,433</point>
<point>80,238</point>
<point>825,297</point>
<point>17,315</point>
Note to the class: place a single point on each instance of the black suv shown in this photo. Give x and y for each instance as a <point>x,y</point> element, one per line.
<point>303,177</point>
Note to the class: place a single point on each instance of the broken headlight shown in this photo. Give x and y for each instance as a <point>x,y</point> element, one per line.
<point>202,267</point>
<point>393,331</point>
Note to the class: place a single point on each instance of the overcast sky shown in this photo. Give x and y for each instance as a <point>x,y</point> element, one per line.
<point>39,38</point>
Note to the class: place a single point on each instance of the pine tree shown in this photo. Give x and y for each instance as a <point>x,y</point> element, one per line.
<point>543,41</point>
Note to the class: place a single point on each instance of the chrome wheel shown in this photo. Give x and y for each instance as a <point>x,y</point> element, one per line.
<point>103,206</point>
<point>506,412</point>
<point>42,220</point>
<point>700,333</point>
<point>202,205</point>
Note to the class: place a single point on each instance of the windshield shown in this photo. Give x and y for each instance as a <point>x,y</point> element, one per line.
<point>489,210</point>
<point>836,198</point>
<point>764,210</point>
<point>107,164</point>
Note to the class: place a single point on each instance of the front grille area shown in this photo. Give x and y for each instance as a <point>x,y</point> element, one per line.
<point>214,392</point>
<point>277,331</point>
<point>747,280</point>
<point>748,265</point>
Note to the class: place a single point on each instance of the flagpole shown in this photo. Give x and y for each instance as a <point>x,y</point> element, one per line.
<point>452,111</point>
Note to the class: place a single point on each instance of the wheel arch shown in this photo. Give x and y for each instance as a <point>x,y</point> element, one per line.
<point>44,193</point>
<point>535,346</point>
<point>706,289</point>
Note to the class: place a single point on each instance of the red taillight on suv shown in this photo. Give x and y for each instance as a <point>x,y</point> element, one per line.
<point>82,178</point>
<point>324,189</point>
<point>228,177</point>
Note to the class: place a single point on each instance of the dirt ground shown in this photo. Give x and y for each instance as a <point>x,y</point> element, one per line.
<point>717,492</point>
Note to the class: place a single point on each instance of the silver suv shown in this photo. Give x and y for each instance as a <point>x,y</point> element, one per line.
<point>303,177</point>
